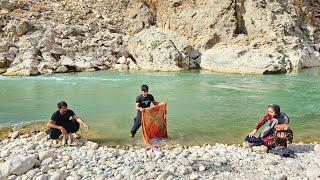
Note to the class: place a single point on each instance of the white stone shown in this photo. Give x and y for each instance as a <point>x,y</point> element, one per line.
<point>15,134</point>
<point>164,175</point>
<point>183,161</point>
<point>66,61</point>
<point>194,176</point>
<point>45,154</point>
<point>4,153</point>
<point>136,169</point>
<point>47,161</point>
<point>94,146</point>
<point>260,149</point>
<point>120,67</point>
<point>42,177</point>
<point>58,175</point>
<point>73,178</point>
<point>170,168</point>
<point>313,173</point>
<point>40,136</point>
<point>122,60</point>
<point>32,173</point>
<point>18,165</point>
<point>62,69</point>
<point>317,148</point>
<point>183,170</point>
<point>202,168</point>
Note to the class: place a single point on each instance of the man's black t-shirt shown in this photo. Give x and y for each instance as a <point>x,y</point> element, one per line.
<point>59,119</point>
<point>144,102</point>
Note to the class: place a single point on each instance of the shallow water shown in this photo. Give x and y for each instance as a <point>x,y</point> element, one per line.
<point>203,107</point>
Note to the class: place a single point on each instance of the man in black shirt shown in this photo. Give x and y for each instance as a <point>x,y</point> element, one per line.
<point>142,101</point>
<point>64,121</point>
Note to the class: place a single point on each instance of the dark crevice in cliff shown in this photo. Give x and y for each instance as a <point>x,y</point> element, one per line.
<point>240,23</point>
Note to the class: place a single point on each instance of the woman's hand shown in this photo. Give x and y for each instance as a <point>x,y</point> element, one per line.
<point>253,133</point>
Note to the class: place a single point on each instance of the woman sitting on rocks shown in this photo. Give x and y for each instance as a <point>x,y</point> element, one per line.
<point>278,123</point>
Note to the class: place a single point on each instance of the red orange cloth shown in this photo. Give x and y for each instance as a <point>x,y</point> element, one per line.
<point>154,122</point>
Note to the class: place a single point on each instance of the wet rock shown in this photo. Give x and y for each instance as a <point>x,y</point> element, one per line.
<point>62,69</point>
<point>120,67</point>
<point>15,134</point>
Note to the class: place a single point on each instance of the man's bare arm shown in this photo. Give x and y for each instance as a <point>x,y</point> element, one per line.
<point>138,108</point>
<point>81,121</point>
<point>52,124</point>
<point>155,102</point>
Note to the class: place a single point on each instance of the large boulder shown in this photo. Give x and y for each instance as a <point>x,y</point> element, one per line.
<point>48,64</point>
<point>204,23</point>
<point>17,28</point>
<point>5,45</point>
<point>243,60</point>
<point>87,62</point>
<point>156,49</point>
<point>18,165</point>
<point>139,16</point>
<point>25,64</point>
<point>62,69</point>
<point>7,5</point>
<point>58,175</point>
<point>46,43</point>
<point>66,61</point>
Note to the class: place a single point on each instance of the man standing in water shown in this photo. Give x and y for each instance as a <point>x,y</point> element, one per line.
<point>142,101</point>
<point>64,122</point>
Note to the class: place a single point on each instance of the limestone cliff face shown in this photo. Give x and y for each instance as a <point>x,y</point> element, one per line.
<point>230,36</point>
<point>242,36</point>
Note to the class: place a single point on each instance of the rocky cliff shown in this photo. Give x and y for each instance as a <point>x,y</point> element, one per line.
<point>231,36</point>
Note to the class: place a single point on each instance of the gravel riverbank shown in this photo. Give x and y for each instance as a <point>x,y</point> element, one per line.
<point>35,157</point>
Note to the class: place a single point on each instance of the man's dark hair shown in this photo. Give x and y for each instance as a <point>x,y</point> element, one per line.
<point>62,103</point>
<point>144,88</point>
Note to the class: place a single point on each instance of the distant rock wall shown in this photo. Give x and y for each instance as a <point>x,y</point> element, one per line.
<point>231,36</point>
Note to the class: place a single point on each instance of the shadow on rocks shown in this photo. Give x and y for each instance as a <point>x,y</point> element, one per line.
<point>301,148</point>
<point>212,166</point>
